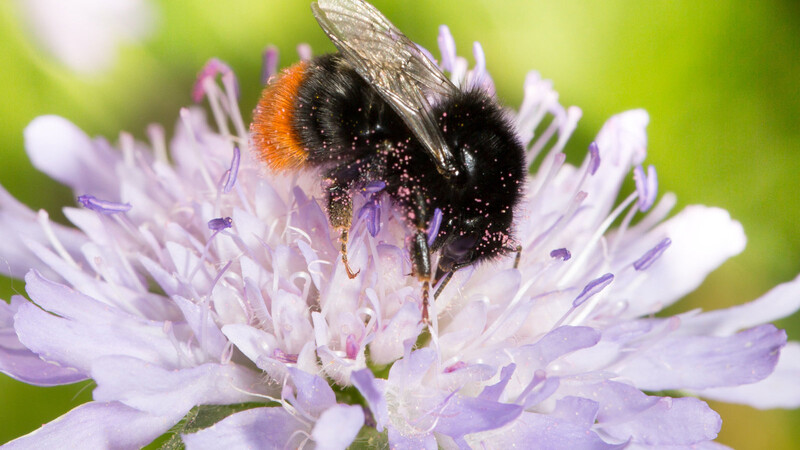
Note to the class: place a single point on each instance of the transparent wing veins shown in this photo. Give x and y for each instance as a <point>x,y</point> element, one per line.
<point>392,64</point>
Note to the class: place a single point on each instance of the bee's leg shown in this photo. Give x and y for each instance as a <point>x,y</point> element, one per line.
<point>447,276</point>
<point>519,255</point>
<point>340,210</point>
<point>421,261</point>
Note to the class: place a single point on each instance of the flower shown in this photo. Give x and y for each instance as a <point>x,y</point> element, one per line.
<point>84,34</point>
<point>205,295</point>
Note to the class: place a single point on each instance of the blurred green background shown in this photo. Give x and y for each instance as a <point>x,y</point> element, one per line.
<point>721,81</point>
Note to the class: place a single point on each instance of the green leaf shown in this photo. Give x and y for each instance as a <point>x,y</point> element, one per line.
<point>198,418</point>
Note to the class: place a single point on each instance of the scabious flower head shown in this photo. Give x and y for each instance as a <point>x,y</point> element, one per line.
<point>195,282</point>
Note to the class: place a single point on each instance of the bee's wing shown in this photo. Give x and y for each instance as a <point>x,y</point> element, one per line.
<point>393,65</point>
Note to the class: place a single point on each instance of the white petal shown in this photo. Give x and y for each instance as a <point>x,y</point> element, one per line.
<point>338,426</point>
<point>782,301</point>
<point>85,34</point>
<point>64,152</point>
<point>622,143</point>
<point>96,425</point>
<point>173,393</point>
<point>702,239</point>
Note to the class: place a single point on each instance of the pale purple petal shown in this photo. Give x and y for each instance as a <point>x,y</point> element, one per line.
<point>372,391</point>
<point>313,394</point>
<point>547,432</point>
<point>579,410</point>
<point>86,35</point>
<point>61,150</point>
<point>338,426</point>
<point>252,342</point>
<point>553,345</point>
<point>18,220</point>
<point>702,239</point>
<point>622,143</point>
<point>531,397</point>
<point>466,415</point>
<point>700,362</point>
<point>253,428</point>
<point>206,333</point>
<point>18,362</point>
<point>780,389</point>
<point>411,369</point>
<point>400,442</point>
<point>173,392</point>
<point>388,343</point>
<point>85,329</point>
<point>466,326</point>
<point>627,413</point>
<point>494,391</point>
<point>96,425</point>
<point>781,301</point>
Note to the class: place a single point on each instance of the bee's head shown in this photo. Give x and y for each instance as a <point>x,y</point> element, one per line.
<point>472,239</point>
<point>480,205</point>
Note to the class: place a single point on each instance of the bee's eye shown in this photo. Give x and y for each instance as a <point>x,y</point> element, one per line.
<point>458,252</point>
<point>459,247</point>
<point>468,160</point>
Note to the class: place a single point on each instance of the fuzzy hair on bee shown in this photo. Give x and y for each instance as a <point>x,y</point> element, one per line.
<point>381,112</point>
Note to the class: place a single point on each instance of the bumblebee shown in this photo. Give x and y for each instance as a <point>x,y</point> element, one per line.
<point>380,111</point>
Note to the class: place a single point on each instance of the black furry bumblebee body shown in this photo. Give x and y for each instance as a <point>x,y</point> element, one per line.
<point>380,111</point>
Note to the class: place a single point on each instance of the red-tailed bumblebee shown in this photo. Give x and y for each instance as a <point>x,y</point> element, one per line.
<point>381,112</point>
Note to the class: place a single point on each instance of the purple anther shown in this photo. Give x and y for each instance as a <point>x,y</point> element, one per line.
<point>561,253</point>
<point>592,288</point>
<point>374,187</point>
<point>284,357</point>
<point>652,255</point>
<point>433,227</point>
<point>270,64</point>
<point>233,171</point>
<point>212,68</point>
<point>454,367</point>
<point>351,347</point>
<point>371,213</point>
<point>103,206</point>
<point>646,186</point>
<point>220,223</point>
<point>447,47</point>
<point>594,158</point>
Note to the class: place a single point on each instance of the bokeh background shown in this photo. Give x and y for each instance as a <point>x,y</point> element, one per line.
<point>721,81</point>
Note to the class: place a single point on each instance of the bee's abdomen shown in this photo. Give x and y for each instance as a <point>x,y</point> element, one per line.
<point>273,130</point>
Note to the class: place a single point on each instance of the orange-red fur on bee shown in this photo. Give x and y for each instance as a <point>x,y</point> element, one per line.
<point>273,131</point>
